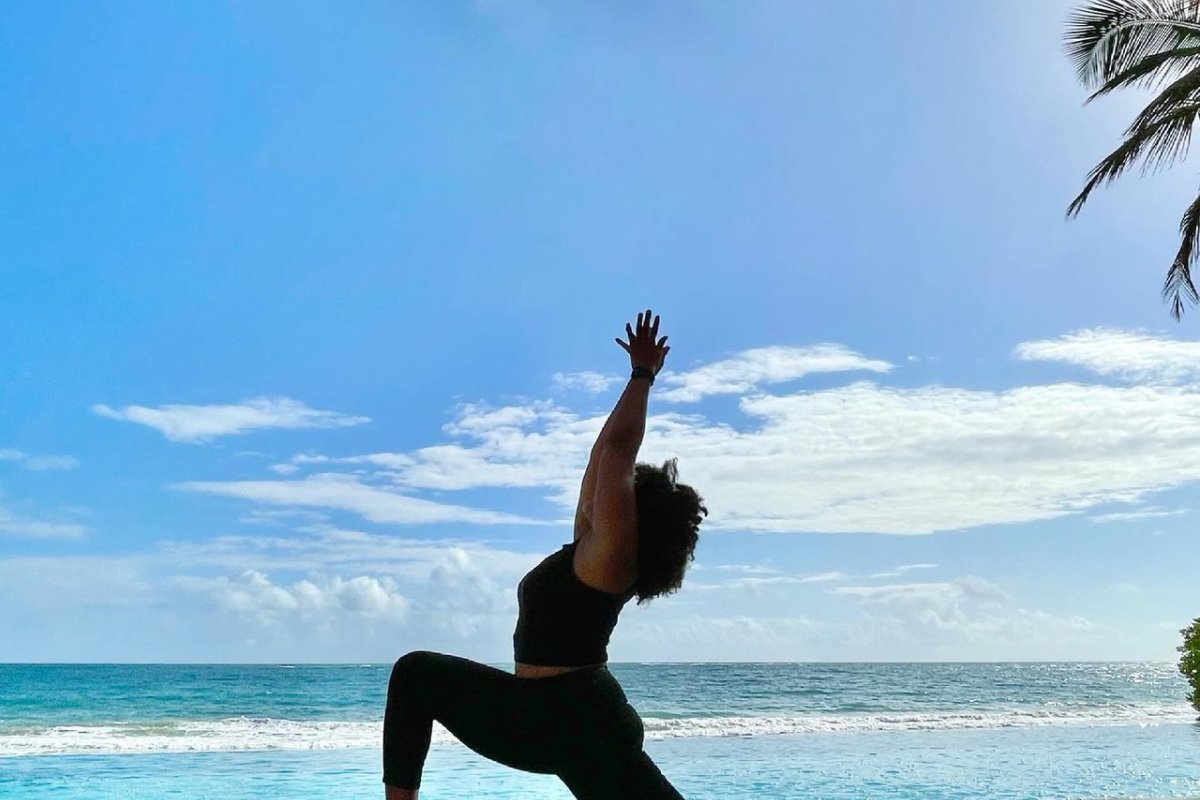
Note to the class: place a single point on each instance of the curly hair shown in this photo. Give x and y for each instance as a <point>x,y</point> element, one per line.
<point>668,529</point>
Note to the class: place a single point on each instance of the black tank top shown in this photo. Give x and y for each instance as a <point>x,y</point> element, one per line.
<point>561,620</point>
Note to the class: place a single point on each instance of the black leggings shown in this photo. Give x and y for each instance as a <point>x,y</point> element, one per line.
<point>577,725</point>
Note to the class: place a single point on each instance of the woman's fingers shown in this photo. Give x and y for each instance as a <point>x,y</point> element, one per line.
<point>642,338</point>
<point>644,328</point>
<point>644,325</point>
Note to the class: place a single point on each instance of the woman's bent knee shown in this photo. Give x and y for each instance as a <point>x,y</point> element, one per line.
<point>406,668</point>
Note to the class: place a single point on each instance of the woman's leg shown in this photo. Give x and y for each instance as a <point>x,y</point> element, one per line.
<point>608,761</point>
<point>511,720</point>
<point>635,776</point>
<point>578,726</point>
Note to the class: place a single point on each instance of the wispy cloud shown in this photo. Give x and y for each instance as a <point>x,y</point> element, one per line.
<point>942,616</point>
<point>202,423</point>
<point>822,577</point>
<point>1130,516</point>
<point>753,368</point>
<point>900,570</point>
<point>590,382</point>
<point>1133,355</point>
<point>14,525</point>
<point>929,594</point>
<point>323,548</point>
<point>38,463</point>
<point>855,458</point>
<point>706,629</point>
<point>315,589</point>
<point>283,516</point>
<point>17,525</point>
<point>347,493</point>
<point>753,582</point>
<point>750,582</point>
<point>748,568</point>
<point>46,463</point>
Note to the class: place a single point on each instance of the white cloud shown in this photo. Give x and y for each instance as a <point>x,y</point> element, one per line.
<point>45,463</point>
<point>751,568</point>
<point>536,446</point>
<point>328,594</point>
<point>323,600</point>
<point>282,516</point>
<point>941,618</point>
<point>13,525</point>
<point>324,548</point>
<point>64,582</point>
<point>754,583</point>
<point>900,570</point>
<point>383,461</point>
<point>822,577</point>
<point>590,382</point>
<point>318,593</point>
<point>927,594</point>
<point>751,583</point>
<point>854,458</point>
<point>469,594</point>
<point>763,365</point>
<point>1132,355</point>
<point>347,493</point>
<point>869,458</point>
<point>194,423</point>
<point>738,630</point>
<point>1129,516</point>
<point>311,459</point>
<point>39,463</point>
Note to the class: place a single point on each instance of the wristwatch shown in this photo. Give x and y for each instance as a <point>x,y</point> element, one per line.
<point>642,372</point>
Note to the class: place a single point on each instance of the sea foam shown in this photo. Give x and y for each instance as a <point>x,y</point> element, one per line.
<point>265,733</point>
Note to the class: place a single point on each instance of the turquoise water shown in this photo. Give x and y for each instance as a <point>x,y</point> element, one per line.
<point>716,730</point>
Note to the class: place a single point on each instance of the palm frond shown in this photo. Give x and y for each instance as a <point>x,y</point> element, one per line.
<point>1178,284</point>
<point>1168,142</point>
<point>1182,91</point>
<point>1151,70</point>
<point>1160,140</point>
<point>1108,37</point>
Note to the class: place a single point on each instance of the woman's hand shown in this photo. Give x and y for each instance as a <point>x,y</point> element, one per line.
<point>643,352</point>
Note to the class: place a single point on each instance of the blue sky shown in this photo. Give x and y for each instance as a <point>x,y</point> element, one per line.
<point>307,319</point>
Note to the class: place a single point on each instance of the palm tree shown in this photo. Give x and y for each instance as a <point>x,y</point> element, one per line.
<point>1154,44</point>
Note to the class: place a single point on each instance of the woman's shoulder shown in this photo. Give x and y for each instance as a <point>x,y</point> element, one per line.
<point>596,567</point>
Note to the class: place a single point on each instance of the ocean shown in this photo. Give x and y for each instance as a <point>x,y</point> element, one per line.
<point>769,730</point>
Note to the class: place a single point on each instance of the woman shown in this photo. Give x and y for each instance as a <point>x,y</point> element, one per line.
<point>562,712</point>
